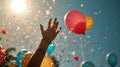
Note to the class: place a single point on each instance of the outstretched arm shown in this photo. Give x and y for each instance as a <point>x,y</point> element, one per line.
<point>48,36</point>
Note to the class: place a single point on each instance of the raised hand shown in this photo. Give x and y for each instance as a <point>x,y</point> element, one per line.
<point>51,32</point>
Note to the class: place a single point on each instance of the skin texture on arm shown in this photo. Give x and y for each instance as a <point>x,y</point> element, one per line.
<point>48,35</point>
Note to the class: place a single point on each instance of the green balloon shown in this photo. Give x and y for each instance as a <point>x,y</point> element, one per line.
<point>112,59</point>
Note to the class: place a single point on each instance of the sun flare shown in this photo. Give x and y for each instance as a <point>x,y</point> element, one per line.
<point>18,5</point>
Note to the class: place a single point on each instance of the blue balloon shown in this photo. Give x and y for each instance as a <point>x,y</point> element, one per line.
<point>20,56</point>
<point>50,49</point>
<point>87,64</point>
<point>112,59</point>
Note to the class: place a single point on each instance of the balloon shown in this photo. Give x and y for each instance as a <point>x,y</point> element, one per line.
<point>47,62</point>
<point>112,59</point>
<point>26,58</point>
<point>87,64</point>
<point>2,55</point>
<point>75,21</point>
<point>12,65</point>
<point>20,56</point>
<point>89,22</point>
<point>50,49</point>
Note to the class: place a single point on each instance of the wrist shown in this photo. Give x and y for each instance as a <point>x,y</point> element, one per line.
<point>47,40</point>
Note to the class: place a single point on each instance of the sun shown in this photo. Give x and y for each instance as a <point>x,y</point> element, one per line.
<point>18,5</point>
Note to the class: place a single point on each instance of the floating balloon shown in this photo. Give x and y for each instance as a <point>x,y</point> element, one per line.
<point>87,64</point>
<point>26,58</point>
<point>112,59</point>
<point>47,62</point>
<point>2,55</point>
<point>50,49</point>
<point>75,21</point>
<point>20,56</point>
<point>89,22</point>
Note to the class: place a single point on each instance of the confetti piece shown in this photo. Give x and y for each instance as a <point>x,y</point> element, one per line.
<point>81,5</point>
<point>74,41</point>
<point>30,2</point>
<point>73,52</point>
<point>50,7</point>
<point>54,1</point>
<point>18,28</point>
<point>76,58</point>
<point>95,13</point>
<point>63,51</point>
<point>48,12</point>
<point>14,16</point>
<point>3,31</point>
<point>28,28</point>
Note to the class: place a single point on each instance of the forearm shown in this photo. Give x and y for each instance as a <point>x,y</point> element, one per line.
<point>38,56</point>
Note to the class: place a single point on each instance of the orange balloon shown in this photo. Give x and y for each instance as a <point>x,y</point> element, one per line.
<point>89,22</point>
<point>26,58</point>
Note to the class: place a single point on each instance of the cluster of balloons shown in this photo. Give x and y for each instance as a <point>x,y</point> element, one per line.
<point>48,61</point>
<point>24,56</point>
<point>111,58</point>
<point>77,22</point>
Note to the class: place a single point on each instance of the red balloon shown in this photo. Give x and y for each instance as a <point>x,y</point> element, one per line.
<point>75,21</point>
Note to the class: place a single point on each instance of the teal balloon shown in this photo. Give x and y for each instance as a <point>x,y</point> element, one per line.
<point>87,64</point>
<point>20,56</point>
<point>112,59</point>
<point>50,49</point>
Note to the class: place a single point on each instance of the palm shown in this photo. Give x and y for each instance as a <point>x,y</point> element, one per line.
<point>51,32</point>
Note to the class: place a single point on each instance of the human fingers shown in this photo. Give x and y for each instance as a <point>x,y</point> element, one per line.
<point>49,23</point>
<point>41,28</point>
<point>54,23</point>
<point>58,30</point>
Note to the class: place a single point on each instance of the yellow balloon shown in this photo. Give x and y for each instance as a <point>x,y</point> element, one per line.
<point>26,58</point>
<point>89,22</point>
<point>12,65</point>
<point>47,61</point>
